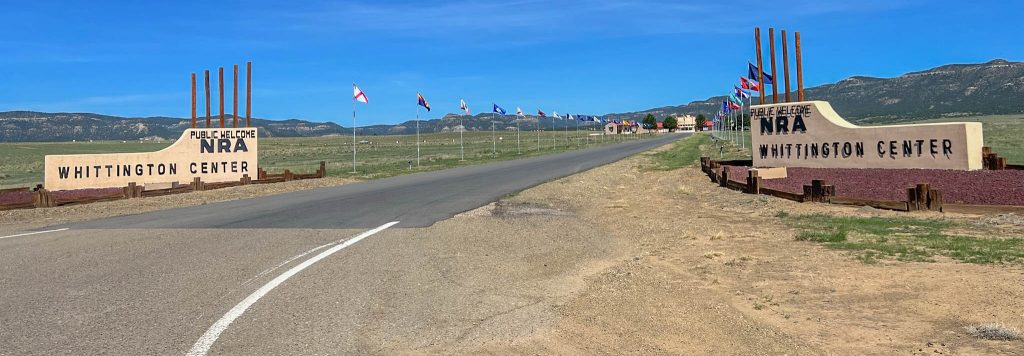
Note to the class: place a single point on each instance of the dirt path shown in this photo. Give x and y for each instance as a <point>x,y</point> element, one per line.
<point>699,270</point>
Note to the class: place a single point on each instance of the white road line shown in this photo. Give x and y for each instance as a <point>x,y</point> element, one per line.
<point>34,233</point>
<point>202,346</point>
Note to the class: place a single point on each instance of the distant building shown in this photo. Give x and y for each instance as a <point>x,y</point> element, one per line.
<point>686,122</point>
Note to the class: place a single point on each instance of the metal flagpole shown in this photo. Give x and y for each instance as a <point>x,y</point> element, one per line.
<point>494,140</point>
<point>519,146</point>
<point>567,130</point>
<point>538,133</point>
<point>417,135</point>
<point>353,134</point>
<point>462,145</point>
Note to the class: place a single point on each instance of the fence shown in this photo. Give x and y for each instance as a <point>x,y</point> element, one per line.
<point>42,198</point>
<point>920,197</point>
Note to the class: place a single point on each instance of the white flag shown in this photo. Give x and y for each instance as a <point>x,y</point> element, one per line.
<point>463,106</point>
<point>519,112</point>
<point>556,115</point>
<point>358,95</point>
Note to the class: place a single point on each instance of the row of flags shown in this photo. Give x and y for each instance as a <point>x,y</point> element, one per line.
<point>360,96</point>
<point>734,101</point>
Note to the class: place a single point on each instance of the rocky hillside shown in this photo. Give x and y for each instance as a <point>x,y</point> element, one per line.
<point>951,90</point>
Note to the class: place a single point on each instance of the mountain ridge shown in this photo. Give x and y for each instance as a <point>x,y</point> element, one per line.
<point>949,90</point>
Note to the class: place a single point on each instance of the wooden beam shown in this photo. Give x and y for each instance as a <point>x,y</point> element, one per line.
<point>220,72</point>
<point>785,64</point>
<point>234,99</point>
<point>775,78</point>
<point>799,69</point>
<point>193,100</point>
<point>248,93</point>
<point>207,72</point>
<point>760,70</point>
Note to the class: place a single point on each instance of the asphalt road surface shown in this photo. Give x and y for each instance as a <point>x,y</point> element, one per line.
<point>322,271</point>
<point>416,200</point>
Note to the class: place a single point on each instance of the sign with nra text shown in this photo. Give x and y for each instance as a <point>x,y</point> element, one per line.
<point>213,155</point>
<point>811,134</point>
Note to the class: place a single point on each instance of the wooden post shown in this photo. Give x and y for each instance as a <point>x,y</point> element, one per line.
<point>193,100</point>
<point>248,92</point>
<point>246,180</point>
<point>197,184</point>
<point>43,199</point>
<point>724,181</point>
<point>912,199</point>
<point>261,174</point>
<point>799,69</point>
<point>287,175</point>
<point>785,64</point>
<point>207,72</point>
<point>921,193</point>
<point>322,172</point>
<point>775,78</point>
<point>220,76</point>
<point>935,200</point>
<point>753,182</point>
<point>234,99</point>
<point>760,68</point>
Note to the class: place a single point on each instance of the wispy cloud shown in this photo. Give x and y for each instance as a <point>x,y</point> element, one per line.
<point>501,24</point>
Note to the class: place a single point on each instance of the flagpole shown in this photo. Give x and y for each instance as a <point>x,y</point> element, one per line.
<point>494,140</point>
<point>519,146</point>
<point>538,133</point>
<point>417,135</point>
<point>462,144</point>
<point>353,134</point>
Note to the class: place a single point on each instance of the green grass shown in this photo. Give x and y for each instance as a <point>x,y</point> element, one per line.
<point>685,152</point>
<point>872,239</point>
<point>1002,132</point>
<point>377,157</point>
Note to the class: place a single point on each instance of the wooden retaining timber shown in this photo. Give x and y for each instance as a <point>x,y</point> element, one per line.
<point>920,197</point>
<point>42,198</point>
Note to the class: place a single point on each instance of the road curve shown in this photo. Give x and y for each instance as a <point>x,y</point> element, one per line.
<point>417,200</point>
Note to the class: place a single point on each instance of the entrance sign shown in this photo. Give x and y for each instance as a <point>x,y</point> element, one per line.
<point>811,134</point>
<point>214,155</point>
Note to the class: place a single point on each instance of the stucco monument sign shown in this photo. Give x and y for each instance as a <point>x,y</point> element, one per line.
<point>212,154</point>
<point>811,134</point>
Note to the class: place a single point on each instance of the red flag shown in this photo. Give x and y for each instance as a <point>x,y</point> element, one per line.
<point>749,84</point>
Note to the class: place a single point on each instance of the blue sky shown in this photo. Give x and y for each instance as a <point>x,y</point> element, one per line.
<point>134,58</point>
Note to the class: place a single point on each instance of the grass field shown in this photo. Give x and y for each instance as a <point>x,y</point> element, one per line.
<point>872,239</point>
<point>377,156</point>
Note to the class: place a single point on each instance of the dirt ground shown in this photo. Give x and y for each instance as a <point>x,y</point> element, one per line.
<point>704,270</point>
<point>680,266</point>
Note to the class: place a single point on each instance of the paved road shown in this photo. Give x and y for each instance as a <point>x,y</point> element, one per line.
<point>156,283</point>
<point>416,200</point>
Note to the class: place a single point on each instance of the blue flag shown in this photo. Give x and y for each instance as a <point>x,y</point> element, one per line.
<point>498,109</point>
<point>725,106</point>
<point>753,70</point>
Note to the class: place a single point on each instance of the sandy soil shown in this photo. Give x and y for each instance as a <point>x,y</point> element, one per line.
<point>18,220</point>
<point>704,270</point>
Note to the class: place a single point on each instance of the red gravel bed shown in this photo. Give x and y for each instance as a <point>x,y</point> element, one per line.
<point>983,187</point>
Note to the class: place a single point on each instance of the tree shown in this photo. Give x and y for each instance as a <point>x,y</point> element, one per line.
<point>670,123</point>
<point>650,122</point>
<point>699,122</point>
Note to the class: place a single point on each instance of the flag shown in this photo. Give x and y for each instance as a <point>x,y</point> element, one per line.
<point>519,112</point>
<point>725,106</point>
<point>358,95</point>
<point>733,106</point>
<point>753,70</point>
<point>541,113</point>
<point>555,114</point>
<point>749,84</point>
<point>741,93</point>
<point>569,117</point>
<point>463,106</point>
<point>735,99</point>
<point>422,102</point>
<point>498,109</point>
